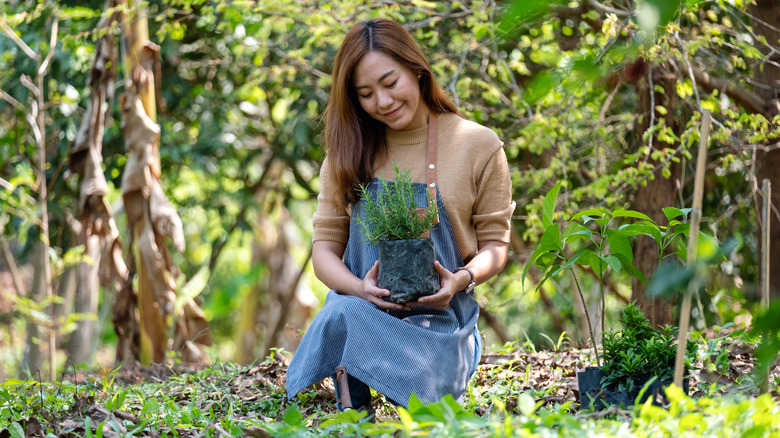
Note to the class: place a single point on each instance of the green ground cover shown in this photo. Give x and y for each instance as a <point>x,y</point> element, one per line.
<point>518,391</point>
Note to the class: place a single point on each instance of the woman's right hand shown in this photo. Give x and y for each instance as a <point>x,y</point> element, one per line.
<point>331,270</point>
<point>371,292</point>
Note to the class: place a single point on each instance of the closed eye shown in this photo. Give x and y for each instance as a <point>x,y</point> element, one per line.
<point>367,95</point>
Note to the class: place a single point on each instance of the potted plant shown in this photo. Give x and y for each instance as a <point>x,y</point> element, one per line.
<point>401,230</point>
<point>631,358</point>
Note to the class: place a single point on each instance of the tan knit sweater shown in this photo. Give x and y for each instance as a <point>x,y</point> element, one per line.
<point>472,174</point>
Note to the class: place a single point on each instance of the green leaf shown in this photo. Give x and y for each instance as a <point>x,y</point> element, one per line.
<point>708,247</point>
<point>642,229</point>
<point>547,259</point>
<point>88,427</point>
<point>192,288</point>
<point>480,31</point>
<point>414,403</point>
<point>589,215</point>
<point>669,278</point>
<point>78,12</point>
<point>653,13</point>
<point>540,86</point>
<point>15,430</point>
<point>590,258</point>
<point>545,253</point>
<point>522,10</point>
<point>526,404</point>
<point>672,213</point>
<point>293,416</point>
<point>613,262</point>
<point>571,261</point>
<point>631,214</point>
<point>548,207</point>
<point>619,244</point>
<point>150,405</point>
<point>575,231</point>
<point>551,240</point>
<point>631,269</point>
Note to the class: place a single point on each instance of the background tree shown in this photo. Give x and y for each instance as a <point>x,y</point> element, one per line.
<point>765,21</point>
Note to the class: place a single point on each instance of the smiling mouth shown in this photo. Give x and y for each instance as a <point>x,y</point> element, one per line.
<point>393,112</point>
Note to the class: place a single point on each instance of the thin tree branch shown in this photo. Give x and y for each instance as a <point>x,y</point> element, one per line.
<point>751,101</point>
<point>52,43</point>
<point>9,260</point>
<point>299,63</point>
<point>436,19</point>
<point>608,10</point>
<point>22,45</point>
<point>10,187</point>
<point>15,103</point>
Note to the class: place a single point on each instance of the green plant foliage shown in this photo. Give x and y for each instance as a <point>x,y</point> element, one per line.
<point>767,326</point>
<point>392,214</point>
<point>206,403</point>
<point>607,239</point>
<point>638,351</point>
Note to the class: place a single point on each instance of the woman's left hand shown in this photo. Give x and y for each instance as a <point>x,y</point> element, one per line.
<point>447,289</point>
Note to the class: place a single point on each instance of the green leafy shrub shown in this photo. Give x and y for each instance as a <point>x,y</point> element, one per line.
<point>600,239</point>
<point>393,214</point>
<point>638,352</point>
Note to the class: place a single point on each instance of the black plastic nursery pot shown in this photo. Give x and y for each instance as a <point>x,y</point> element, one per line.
<point>406,269</point>
<point>592,395</point>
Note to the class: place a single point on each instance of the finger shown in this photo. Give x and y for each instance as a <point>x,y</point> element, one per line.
<point>374,270</point>
<point>441,269</point>
<point>377,292</point>
<point>436,304</point>
<point>387,305</point>
<point>438,296</point>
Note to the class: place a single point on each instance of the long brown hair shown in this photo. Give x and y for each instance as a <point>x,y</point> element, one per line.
<point>354,139</point>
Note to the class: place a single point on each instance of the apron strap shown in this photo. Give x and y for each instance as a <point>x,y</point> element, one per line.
<point>432,144</point>
<point>433,134</point>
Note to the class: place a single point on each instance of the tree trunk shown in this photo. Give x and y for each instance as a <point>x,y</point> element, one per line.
<point>273,309</point>
<point>96,221</point>
<point>66,290</point>
<point>659,192</point>
<point>96,226</point>
<point>36,116</point>
<point>80,343</point>
<point>767,23</point>
<point>33,358</point>
<point>151,219</point>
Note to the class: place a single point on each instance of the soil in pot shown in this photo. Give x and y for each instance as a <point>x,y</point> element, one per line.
<point>406,269</point>
<point>592,395</point>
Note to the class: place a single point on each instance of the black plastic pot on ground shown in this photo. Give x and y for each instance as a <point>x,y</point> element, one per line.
<point>592,395</point>
<point>406,269</point>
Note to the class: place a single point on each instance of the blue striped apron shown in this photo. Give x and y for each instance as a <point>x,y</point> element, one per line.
<point>424,351</point>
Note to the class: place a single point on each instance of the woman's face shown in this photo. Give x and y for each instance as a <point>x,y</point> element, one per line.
<point>389,92</point>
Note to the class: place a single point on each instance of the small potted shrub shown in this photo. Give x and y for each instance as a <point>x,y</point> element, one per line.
<point>632,357</point>
<point>401,231</point>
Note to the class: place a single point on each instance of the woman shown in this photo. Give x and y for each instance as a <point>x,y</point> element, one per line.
<point>383,100</point>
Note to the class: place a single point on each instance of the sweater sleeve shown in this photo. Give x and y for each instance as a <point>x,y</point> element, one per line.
<point>493,206</point>
<point>331,220</point>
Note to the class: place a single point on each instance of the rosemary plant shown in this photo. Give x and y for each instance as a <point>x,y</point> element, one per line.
<point>393,214</point>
